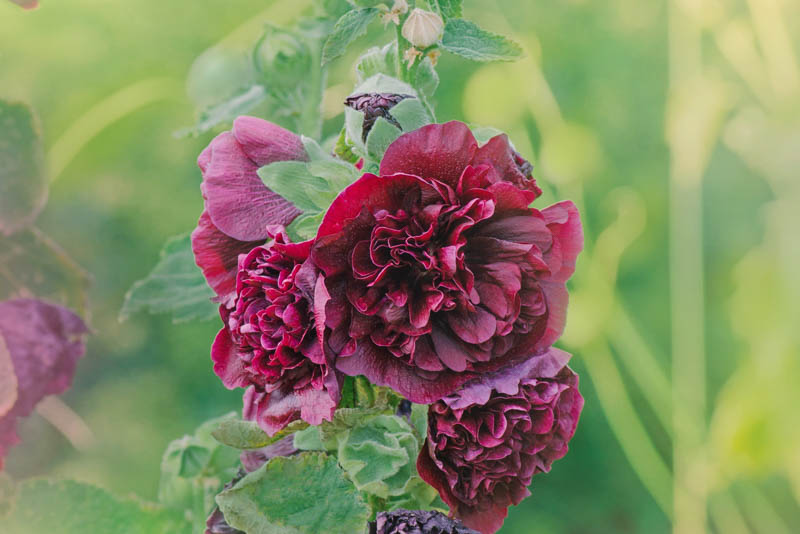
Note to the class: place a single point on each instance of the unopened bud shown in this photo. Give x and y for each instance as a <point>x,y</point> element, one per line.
<point>423,28</point>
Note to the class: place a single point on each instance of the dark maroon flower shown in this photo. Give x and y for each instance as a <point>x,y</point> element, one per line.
<point>486,441</point>
<point>373,106</point>
<point>40,345</point>
<point>238,206</point>
<point>269,343</point>
<point>437,271</point>
<point>416,522</point>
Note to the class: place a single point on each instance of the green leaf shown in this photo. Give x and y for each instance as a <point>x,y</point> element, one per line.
<point>349,27</point>
<point>67,507</point>
<point>377,61</point>
<point>23,181</point>
<point>194,469</point>
<point>314,151</point>
<point>369,3</point>
<point>379,455</point>
<point>337,174</point>
<point>243,435</point>
<point>305,227</point>
<point>175,285</point>
<point>484,133</point>
<point>411,115</point>
<point>426,80</point>
<point>343,420</point>
<point>448,9</point>
<point>309,440</point>
<point>289,179</point>
<point>466,39</point>
<point>218,75</point>
<point>283,60</point>
<point>418,495</point>
<point>419,419</point>
<point>303,494</point>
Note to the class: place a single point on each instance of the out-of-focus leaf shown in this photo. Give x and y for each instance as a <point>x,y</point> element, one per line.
<point>303,494</point>
<point>23,182</point>
<point>349,27</point>
<point>195,468</point>
<point>448,9</point>
<point>468,40</point>
<point>377,61</point>
<point>218,75</point>
<point>243,435</point>
<point>66,507</point>
<point>32,265</point>
<point>484,133</point>
<point>226,111</point>
<point>336,8</point>
<point>175,285</point>
<point>8,492</point>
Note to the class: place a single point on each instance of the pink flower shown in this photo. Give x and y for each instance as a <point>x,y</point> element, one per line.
<point>269,343</point>
<point>238,206</point>
<point>40,345</point>
<point>486,441</point>
<point>437,271</point>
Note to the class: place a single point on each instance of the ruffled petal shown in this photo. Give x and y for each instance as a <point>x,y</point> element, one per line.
<point>435,151</point>
<point>217,255</point>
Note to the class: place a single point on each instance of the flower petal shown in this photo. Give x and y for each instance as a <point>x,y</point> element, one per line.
<point>217,255</point>
<point>440,151</point>
<point>238,202</point>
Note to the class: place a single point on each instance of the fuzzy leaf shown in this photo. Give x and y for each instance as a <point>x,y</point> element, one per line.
<point>411,115</point>
<point>309,440</point>
<point>305,227</point>
<point>448,9</point>
<point>426,79</point>
<point>377,61</point>
<point>303,494</point>
<point>67,507</point>
<point>243,435</point>
<point>23,181</point>
<point>466,39</point>
<point>175,285</point>
<point>379,455</point>
<point>349,27</point>
<point>289,179</point>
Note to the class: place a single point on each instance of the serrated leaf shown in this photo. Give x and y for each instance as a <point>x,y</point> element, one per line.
<point>67,507</point>
<point>303,494</point>
<point>349,27</point>
<point>377,61</point>
<point>468,40</point>
<point>426,79</point>
<point>31,264</point>
<point>343,420</point>
<point>379,455</point>
<point>175,285</point>
<point>243,435</point>
<point>23,181</point>
<point>289,179</point>
<point>448,9</point>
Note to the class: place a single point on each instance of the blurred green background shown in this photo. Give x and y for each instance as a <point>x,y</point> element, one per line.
<point>674,125</point>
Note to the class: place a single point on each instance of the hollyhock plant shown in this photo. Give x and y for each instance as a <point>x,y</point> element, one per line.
<point>269,343</point>
<point>438,271</point>
<point>238,206</point>
<point>40,345</point>
<point>487,441</point>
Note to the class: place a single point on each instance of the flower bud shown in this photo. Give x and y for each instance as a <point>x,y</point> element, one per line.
<point>423,28</point>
